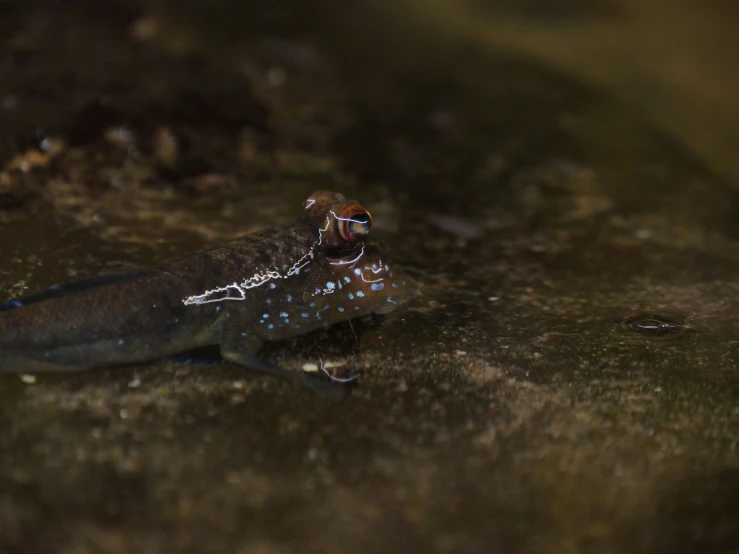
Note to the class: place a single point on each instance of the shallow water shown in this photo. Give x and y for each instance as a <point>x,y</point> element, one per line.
<point>525,403</point>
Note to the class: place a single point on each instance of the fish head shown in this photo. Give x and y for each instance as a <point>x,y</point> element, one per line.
<point>357,274</point>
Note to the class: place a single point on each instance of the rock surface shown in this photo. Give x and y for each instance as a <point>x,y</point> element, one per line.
<point>569,382</point>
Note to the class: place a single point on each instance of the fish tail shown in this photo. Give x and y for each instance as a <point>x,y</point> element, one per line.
<point>13,363</point>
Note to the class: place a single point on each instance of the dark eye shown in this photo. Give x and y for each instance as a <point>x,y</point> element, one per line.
<point>355,224</point>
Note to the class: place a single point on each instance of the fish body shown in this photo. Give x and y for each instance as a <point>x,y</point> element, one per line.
<point>270,285</point>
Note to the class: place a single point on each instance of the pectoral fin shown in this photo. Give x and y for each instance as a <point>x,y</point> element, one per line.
<point>242,351</point>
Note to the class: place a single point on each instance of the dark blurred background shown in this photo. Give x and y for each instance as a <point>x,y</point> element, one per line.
<point>561,176</point>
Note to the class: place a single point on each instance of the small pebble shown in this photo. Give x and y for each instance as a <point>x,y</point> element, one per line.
<point>655,325</point>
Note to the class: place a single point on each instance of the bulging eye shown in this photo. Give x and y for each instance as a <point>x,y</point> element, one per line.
<point>355,223</point>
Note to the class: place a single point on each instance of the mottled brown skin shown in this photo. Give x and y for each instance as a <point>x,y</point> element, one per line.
<point>270,285</point>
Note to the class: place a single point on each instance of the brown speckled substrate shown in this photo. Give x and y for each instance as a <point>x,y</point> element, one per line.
<point>524,404</point>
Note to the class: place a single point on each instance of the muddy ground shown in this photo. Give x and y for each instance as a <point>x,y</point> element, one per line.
<point>569,381</point>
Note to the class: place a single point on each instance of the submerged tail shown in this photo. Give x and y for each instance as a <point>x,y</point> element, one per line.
<point>70,326</point>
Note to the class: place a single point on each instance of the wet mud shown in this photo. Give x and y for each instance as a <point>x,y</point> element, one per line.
<point>569,382</point>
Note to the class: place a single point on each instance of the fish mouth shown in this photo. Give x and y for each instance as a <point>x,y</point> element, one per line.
<point>412,291</point>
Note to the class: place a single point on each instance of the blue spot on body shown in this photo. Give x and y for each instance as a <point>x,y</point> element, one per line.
<point>265,316</point>
<point>304,314</point>
<point>269,301</point>
<point>351,296</point>
<point>330,285</point>
<point>261,321</point>
<point>297,271</point>
<point>283,314</point>
<point>289,298</point>
<point>377,286</point>
<point>272,285</point>
<point>340,285</point>
<point>356,307</point>
<point>244,334</point>
<point>287,321</point>
<point>270,326</point>
<point>327,306</point>
<point>357,271</point>
<point>120,341</point>
<point>312,304</point>
<point>340,309</point>
<point>218,308</point>
<point>347,280</point>
<point>360,294</point>
<point>395,285</point>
